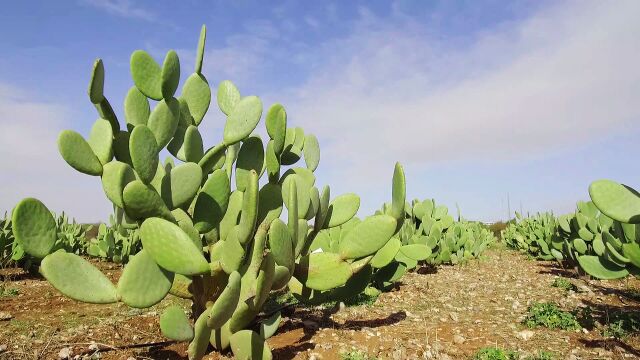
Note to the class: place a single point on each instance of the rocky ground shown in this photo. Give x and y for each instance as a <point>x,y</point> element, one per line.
<point>447,314</point>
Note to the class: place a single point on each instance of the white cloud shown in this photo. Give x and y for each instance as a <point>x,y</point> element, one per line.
<point>123,8</point>
<point>391,90</point>
<point>30,165</point>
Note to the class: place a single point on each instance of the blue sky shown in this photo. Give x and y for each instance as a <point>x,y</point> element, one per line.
<point>478,99</point>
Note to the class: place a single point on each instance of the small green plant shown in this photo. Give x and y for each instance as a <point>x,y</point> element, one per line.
<point>622,325</point>
<point>550,316</point>
<point>564,284</point>
<point>356,355</point>
<point>494,353</point>
<point>8,292</point>
<point>367,298</point>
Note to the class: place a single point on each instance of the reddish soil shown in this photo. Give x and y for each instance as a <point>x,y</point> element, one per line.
<point>449,314</point>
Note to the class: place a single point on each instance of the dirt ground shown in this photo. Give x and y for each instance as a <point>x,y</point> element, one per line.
<point>446,314</point>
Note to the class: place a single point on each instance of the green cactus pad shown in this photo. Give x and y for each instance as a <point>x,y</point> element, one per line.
<point>175,325</point>
<point>76,278</point>
<point>213,159</point>
<point>280,244</point>
<point>115,176</point>
<point>601,268</point>
<point>389,274</point>
<point>232,253</point>
<point>226,303</point>
<point>615,200</point>
<point>230,218</point>
<point>121,147</point>
<point>77,152</point>
<point>192,147</point>
<point>101,140</point>
<point>164,120</point>
<point>269,326</point>
<point>96,84</point>
<point>143,283</point>
<point>311,152</point>
<point>303,192</point>
<point>342,209</point>
<point>243,119</point>
<point>106,112</point>
<point>322,271</point>
<point>212,202</point>
<point>200,51</point>
<point>269,203</point>
<point>201,334</point>
<point>579,245</point>
<point>220,337</point>
<point>182,184</point>
<point>146,74</point>
<point>180,286</point>
<point>399,193</point>
<point>136,107</point>
<point>228,96</point>
<point>367,237</point>
<point>386,254</point>
<point>249,214</point>
<point>172,248</point>
<point>249,345</point>
<point>250,157</point>
<point>632,252</point>
<point>276,123</point>
<point>142,201</point>
<point>272,163</point>
<point>170,74</point>
<point>323,208</point>
<point>417,252</point>
<point>197,93</point>
<point>34,228</point>
<point>144,153</point>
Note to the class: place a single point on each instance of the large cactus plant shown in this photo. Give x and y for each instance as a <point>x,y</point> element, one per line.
<point>223,249</point>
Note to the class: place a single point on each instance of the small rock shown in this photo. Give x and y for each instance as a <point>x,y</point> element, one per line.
<point>5,316</point>
<point>444,357</point>
<point>131,358</point>
<point>453,316</point>
<point>525,334</point>
<point>3,348</point>
<point>458,339</point>
<point>65,353</point>
<point>93,346</point>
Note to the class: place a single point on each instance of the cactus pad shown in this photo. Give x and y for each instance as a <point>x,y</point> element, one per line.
<point>172,248</point>
<point>367,237</point>
<point>34,228</point>
<point>143,283</point>
<point>615,200</point>
<point>71,274</point>
<point>243,119</point>
<point>228,96</point>
<point>174,324</point>
<point>77,152</point>
<point>323,271</point>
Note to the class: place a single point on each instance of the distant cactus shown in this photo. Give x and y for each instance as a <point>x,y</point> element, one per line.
<point>224,249</point>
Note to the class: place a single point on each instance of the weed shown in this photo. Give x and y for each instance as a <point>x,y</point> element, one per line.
<point>550,316</point>
<point>356,355</point>
<point>542,355</point>
<point>368,298</point>
<point>494,353</point>
<point>564,284</point>
<point>622,325</point>
<point>7,291</point>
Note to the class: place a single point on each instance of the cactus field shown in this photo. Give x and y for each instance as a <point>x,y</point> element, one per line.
<point>238,249</point>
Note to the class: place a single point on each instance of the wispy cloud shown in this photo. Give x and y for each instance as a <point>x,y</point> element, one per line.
<point>390,90</point>
<point>31,165</point>
<point>123,8</point>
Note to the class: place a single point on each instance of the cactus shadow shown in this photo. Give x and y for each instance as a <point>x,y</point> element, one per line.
<point>311,321</point>
<point>613,318</point>
<point>553,268</point>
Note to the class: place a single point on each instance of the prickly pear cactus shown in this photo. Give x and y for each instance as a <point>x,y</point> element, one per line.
<point>209,232</point>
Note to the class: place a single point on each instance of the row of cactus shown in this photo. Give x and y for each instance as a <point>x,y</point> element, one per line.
<point>223,249</point>
<point>588,239</point>
<point>429,235</point>
<point>70,236</point>
<point>115,242</point>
